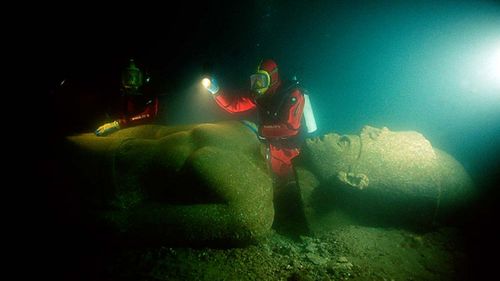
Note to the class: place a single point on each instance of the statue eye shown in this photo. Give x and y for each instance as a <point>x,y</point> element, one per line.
<point>344,141</point>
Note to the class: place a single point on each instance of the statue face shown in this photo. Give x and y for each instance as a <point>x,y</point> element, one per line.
<point>347,149</point>
<point>331,153</point>
<point>377,153</point>
<point>335,146</point>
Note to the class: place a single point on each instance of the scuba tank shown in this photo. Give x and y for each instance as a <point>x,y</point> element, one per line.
<point>309,115</point>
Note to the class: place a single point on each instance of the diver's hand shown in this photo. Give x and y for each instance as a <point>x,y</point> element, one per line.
<point>107,128</point>
<point>211,85</point>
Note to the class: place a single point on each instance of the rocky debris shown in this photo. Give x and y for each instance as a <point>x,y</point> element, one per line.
<point>348,253</point>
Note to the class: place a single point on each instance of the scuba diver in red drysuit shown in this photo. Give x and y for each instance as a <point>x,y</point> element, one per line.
<point>137,108</point>
<point>281,106</point>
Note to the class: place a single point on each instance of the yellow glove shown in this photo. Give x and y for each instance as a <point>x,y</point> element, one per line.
<point>107,128</point>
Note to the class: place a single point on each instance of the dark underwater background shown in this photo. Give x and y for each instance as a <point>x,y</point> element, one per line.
<point>426,66</point>
<point>429,66</point>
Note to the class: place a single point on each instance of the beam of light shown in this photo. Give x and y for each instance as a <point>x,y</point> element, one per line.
<point>210,84</point>
<point>482,71</point>
<point>489,67</point>
<point>493,68</point>
<point>205,82</point>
